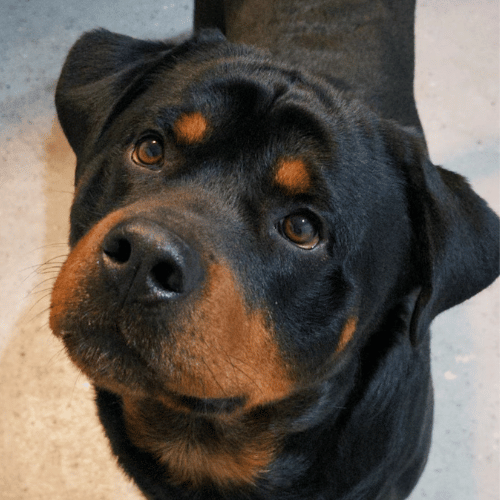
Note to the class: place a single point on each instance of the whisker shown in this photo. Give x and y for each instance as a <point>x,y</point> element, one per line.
<point>47,245</point>
<point>52,270</point>
<point>231,357</point>
<point>77,378</point>
<point>213,376</point>
<point>41,268</point>
<point>61,352</point>
<point>41,313</point>
<point>34,293</point>
<point>43,282</point>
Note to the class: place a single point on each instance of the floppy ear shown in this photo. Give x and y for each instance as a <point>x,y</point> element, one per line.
<point>455,233</point>
<point>104,72</point>
<point>99,69</point>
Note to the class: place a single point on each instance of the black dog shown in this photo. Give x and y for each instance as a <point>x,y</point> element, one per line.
<point>259,244</point>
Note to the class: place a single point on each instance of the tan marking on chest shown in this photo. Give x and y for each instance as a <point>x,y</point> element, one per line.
<point>190,128</point>
<point>347,334</point>
<point>191,463</point>
<point>292,175</point>
<point>199,451</point>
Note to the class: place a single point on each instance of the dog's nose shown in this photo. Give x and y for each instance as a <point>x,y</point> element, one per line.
<point>145,262</point>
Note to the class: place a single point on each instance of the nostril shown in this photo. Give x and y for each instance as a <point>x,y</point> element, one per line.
<point>144,262</point>
<point>118,249</point>
<point>167,276</point>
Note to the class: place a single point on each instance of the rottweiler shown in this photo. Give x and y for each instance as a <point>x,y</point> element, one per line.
<point>259,243</point>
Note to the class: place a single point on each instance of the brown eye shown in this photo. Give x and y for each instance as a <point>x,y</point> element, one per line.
<point>148,152</point>
<point>301,230</point>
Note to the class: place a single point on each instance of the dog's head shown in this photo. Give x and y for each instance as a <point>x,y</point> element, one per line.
<point>239,227</point>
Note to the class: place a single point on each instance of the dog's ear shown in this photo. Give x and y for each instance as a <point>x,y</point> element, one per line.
<point>455,233</point>
<point>103,69</point>
<point>98,70</point>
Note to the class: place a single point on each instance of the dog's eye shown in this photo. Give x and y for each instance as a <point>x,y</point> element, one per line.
<point>148,152</point>
<point>301,230</point>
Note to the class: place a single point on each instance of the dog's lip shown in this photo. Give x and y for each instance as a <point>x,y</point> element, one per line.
<point>211,405</point>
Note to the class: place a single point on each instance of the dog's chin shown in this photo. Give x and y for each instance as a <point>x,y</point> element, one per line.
<point>133,372</point>
<point>144,390</point>
<point>125,378</point>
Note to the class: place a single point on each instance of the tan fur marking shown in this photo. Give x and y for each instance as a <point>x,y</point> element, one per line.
<point>189,463</point>
<point>292,175</point>
<point>190,128</point>
<point>347,333</point>
<point>200,450</point>
<point>223,350</point>
<point>70,286</point>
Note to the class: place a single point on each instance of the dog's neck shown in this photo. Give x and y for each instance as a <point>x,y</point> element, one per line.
<point>226,450</point>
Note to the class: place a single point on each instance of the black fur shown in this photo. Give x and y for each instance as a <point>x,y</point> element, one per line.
<point>401,240</point>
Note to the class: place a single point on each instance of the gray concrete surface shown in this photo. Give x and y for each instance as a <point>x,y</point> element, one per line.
<point>51,446</point>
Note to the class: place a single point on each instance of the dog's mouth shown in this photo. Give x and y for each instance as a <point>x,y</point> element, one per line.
<point>211,406</point>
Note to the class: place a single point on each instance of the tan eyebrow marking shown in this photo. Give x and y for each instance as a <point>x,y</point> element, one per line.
<point>292,175</point>
<point>190,128</point>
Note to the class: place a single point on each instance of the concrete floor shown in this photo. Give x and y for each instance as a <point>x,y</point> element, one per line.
<point>51,446</point>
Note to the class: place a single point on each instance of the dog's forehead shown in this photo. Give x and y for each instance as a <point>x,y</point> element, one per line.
<point>244,116</point>
<point>275,126</point>
<point>232,96</point>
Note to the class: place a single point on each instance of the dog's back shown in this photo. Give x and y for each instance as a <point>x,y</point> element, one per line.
<point>365,47</point>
